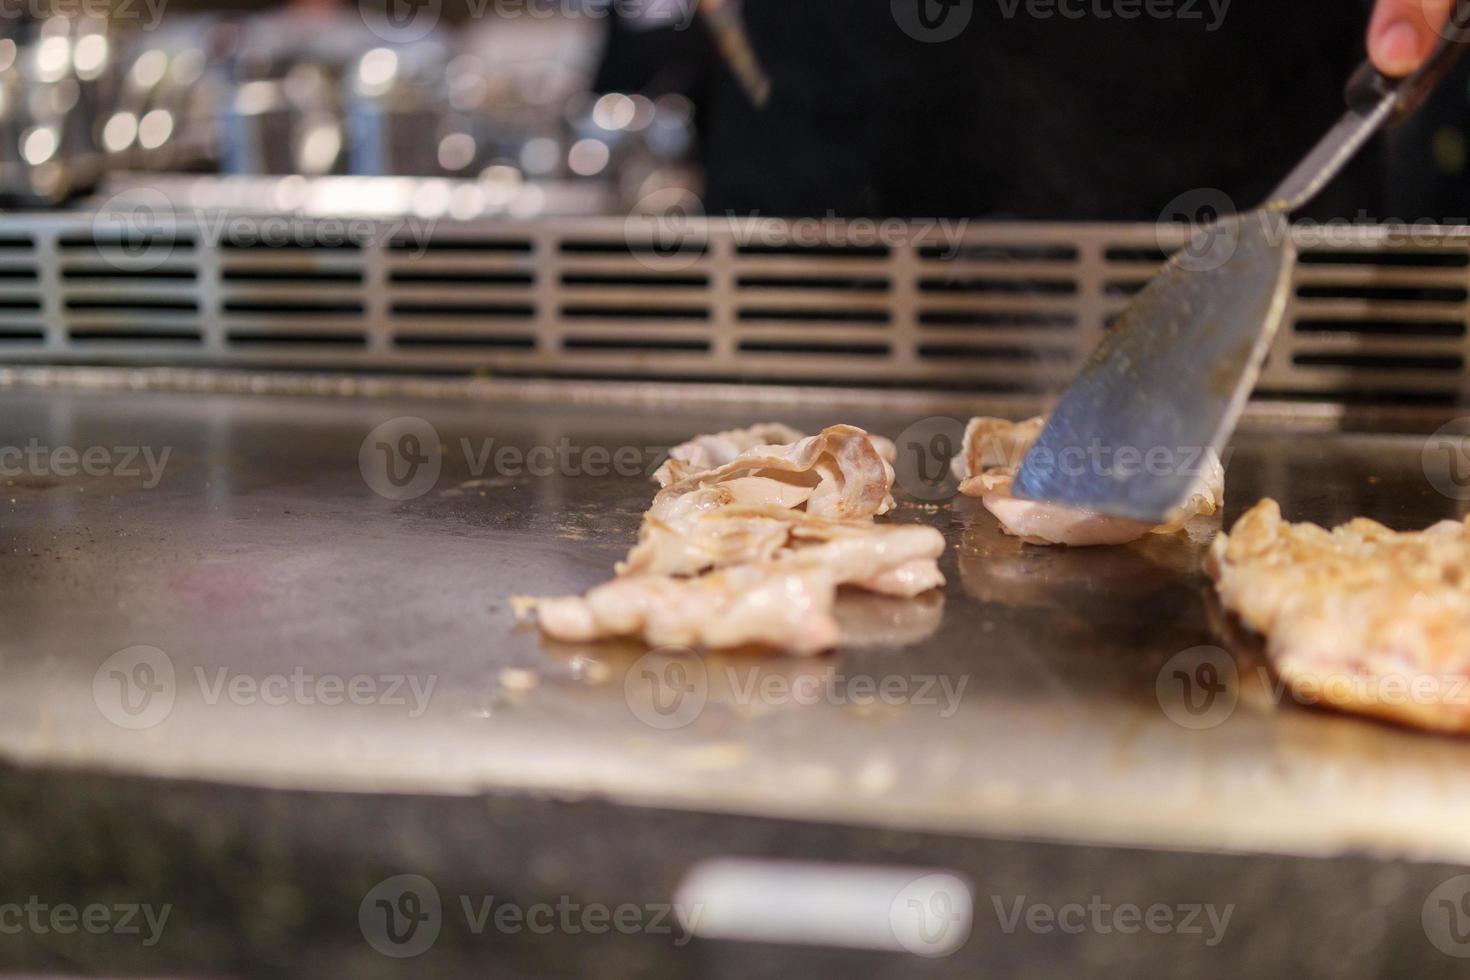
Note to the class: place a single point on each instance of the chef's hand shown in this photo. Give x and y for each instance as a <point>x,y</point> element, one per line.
<point>1403,32</point>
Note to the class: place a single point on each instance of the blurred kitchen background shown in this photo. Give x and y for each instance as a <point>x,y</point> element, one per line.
<point>523,108</point>
<point>489,109</point>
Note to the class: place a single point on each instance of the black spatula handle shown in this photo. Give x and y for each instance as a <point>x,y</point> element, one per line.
<point>1369,86</point>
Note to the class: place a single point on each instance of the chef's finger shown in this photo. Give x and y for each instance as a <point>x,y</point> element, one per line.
<point>1403,32</point>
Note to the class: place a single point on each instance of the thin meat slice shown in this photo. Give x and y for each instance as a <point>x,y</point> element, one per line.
<point>837,474</point>
<point>1360,617</point>
<point>992,454</point>
<point>786,602</point>
<point>709,451</point>
<point>752,549</point>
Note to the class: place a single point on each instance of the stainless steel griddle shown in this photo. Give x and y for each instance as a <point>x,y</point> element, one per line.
<point>264,550</point>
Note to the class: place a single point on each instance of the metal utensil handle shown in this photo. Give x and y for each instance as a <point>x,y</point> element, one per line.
<point>1369,85</point>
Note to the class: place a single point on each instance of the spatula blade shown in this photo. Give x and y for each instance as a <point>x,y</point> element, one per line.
<point>1168,382</point>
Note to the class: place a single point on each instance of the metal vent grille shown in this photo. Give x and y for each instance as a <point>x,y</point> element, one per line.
<point>989,307</point>
<point>21,319</point>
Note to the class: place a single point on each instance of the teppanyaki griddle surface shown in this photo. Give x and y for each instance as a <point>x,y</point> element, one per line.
<point>1032,697</point>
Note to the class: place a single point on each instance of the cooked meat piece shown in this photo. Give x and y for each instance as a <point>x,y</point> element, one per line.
<point>992,454</point>
<point>785,607</point>
<point>688,528</point>
<point>838,474</point>
<point>785,602</point>
<point>709,528</point>
<point>990,443</point>
<point>747,543</point>
<point>1360,617</point>
<point>706,452</point>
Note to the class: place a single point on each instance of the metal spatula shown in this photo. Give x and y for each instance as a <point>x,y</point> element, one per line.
<point>1168,383</point>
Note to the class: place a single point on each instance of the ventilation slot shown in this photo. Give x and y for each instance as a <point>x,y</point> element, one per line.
<point>298,308</point>
<point>465,341</point>
<point>349,277</point>
<point>1007,287</point>
<point>991,352</point>
<point>16,243</point>
<point>1396,258</point>
<point>607,247</point>
<point>1136,253</point>
<point>17,273</point>
<point>635,344</point>
<point>598,279</point>
<point>860,317</point>
<point>497,245</point>
<point>635,312</point>
<point>999,253</point>
<point>817,251</point>
<point>1381,362</point>
<point>319,338</point>
<point>519,311</point>
<point>1402,294</point>
<point>436,277</point>
<point>1384,328</point>
<point>107,273</point>
<point>808,347</point>
<point>8,303</point>
<point>998,319</point>
<point>117,335</point>
<point>118,304</point>
<point>10,334</point>
<point>304,244</point>
<point>132,245</point>
<point>857,284</point>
